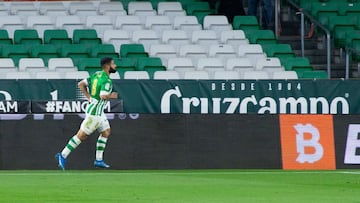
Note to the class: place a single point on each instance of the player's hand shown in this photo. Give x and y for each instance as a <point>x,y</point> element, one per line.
<point>114,95</point>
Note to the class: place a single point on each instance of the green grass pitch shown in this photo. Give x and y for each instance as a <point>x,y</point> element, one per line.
<point>198,186</point>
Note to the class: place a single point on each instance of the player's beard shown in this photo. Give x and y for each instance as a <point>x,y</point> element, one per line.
<point>112,70</point>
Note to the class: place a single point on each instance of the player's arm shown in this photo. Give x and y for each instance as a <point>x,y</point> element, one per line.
<point>83,87</point>
<point>105,92</point>
<point>106,96</point>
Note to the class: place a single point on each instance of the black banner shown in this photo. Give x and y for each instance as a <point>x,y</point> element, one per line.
<point>71,106</point>
<point>65,106</point>
<point>347,141</point>
<point>147,142</point>
<point>182,141</point>
<point>14,107</point>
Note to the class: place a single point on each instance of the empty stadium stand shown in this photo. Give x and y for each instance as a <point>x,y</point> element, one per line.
<point>152,40</point>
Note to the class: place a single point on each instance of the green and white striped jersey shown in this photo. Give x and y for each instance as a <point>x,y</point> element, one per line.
<point>99,83</point>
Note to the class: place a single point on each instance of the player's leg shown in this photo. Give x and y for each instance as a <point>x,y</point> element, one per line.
<point>100,148</point>
<point>88,126</point>
<point>104,129</point>
<point>73,143</point>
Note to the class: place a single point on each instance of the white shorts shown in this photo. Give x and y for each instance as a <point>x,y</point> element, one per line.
<point>92,123</point>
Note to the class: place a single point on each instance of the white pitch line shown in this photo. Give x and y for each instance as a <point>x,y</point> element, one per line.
<point>79,173</point>
<point>351,172</point>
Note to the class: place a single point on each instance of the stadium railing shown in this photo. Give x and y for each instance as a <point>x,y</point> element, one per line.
<point>305,15</point>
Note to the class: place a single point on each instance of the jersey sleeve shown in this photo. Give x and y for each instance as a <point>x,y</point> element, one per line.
<point>87,81</point>
<point>106,87</point>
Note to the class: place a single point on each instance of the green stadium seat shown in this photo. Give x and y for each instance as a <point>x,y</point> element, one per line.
<point>185,3</point>
<point>56,37</point>
<point>85,36</point>
<point>319,74</point>
<point>349,9</point>
<point>200,10</point>
<point>4,37</point>
<point>74,51</point>
<point>201,15</point>
<point>339,25</point>
<point>298,64</point>
<point>45,52</point>
<point>197,7</point>
<point>322,11</point>
<point>133,50</point>
<point>15,52</point>
<point>356,45</point>
<point>26,37</point>
<point>245,23</point>
<point>281,51</point>
<point>103,50</point>
<point>306,4</point>
<point>358,23</point>
<point>352,37</point>
<point>300,71</point>
<point>261,36</point>
<point>125,64</point>
<point>91,65</point>
<point>150,65</point>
